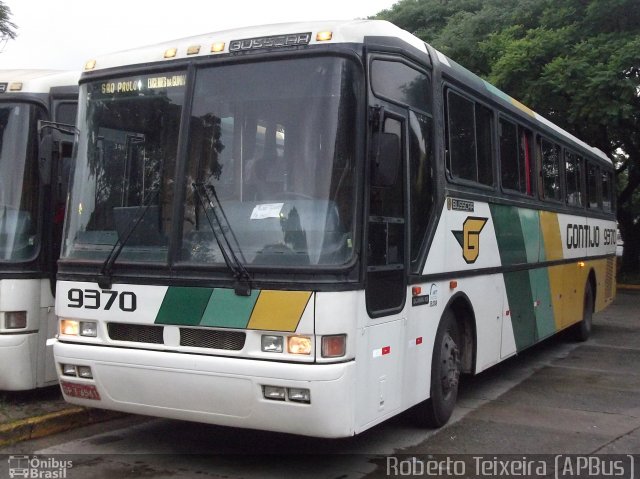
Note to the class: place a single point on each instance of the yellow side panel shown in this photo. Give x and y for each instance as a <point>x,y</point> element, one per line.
<point>279,310</point>
<point>551,234</point>
<point>575,279</point>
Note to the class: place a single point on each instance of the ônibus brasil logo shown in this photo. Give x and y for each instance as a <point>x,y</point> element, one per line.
<point>34,467</point>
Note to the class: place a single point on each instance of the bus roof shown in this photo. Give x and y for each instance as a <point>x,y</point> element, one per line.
<point>36,81</point>
<point>353,31</point>
<point>308,33</point>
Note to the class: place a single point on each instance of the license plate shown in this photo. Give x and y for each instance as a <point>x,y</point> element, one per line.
<point>82,391</point>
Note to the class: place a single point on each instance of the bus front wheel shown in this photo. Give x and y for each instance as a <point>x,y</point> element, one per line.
<point>445,373</point>
<point>582,330</point>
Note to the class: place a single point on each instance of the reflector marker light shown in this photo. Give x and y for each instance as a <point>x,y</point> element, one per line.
<point>324,36</point>
<point>15,86</point>
<point>90,65</point>
<point>193,50</point>
<point>381,351</point>
<point>217,47</point>
<point>170,53</point>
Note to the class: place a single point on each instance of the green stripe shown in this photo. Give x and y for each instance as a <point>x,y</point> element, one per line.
<point>545,324</point>
<point>183,306</point>
<point>530,225</point>
<point>509,234</point>
<point>523,318</point>
<point>228,310</point>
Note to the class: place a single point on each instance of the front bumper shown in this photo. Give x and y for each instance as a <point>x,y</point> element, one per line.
<point>215,390</point>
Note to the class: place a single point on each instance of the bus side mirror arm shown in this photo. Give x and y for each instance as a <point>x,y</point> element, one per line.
<point>45,154</point>
<point>47,143</point>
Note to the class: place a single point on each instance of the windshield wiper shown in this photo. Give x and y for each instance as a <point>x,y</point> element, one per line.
<point>104,280</point>
<point>242,285</point>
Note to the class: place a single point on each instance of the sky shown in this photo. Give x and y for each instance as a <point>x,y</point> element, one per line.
<point>64,34</point>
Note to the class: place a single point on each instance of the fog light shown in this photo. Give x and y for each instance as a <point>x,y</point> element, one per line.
<point>89,329</point>
<point>15,320</point>
<point>273,392</point>
<point>299,395</point>
<point>68,327</point>
<point>69,370</point>
<point>299,344</point>
<point>85,372</point>
<point>334,346</point>
<point>272,344</point>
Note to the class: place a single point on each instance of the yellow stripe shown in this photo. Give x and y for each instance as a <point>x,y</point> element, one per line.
<point>551,235</point>
<point>279,310</point>
<point>522,107</point>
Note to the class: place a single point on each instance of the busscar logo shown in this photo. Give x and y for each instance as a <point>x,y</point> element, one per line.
<point>469,237</point>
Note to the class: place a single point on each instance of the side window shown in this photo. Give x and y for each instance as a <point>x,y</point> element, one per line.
<point>573,178</point>
<point>398,82</point>
<point>420,182</point>
<point>592,185</point>
<point>469,139</point>
<point>66,113</point>
<point>607,192</point>
<point>550,174</point>
<point>515,157</point>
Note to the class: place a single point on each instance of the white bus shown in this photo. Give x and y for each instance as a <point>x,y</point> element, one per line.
<point>33,188</point>
<point>312,227</point>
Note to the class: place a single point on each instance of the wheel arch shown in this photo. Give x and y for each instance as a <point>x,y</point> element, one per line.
<point>460,305</point>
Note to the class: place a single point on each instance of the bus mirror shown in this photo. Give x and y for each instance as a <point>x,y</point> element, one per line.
<point>386,159</point>
<point>45,157</point>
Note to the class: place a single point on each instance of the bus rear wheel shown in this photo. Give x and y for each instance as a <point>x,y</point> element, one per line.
<point>445,373</point>
<point>582,330</point>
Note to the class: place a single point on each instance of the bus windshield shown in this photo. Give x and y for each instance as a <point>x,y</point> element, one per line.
<point>269,149</point>
<point>19,182</point>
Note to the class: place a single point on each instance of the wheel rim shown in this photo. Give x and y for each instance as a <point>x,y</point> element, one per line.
<point>450,361</point>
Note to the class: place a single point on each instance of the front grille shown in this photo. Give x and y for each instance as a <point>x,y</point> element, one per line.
<point>136,333</point>
<point>212,338</point>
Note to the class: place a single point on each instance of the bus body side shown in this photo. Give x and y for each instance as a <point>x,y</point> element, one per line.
<point>31,223</point>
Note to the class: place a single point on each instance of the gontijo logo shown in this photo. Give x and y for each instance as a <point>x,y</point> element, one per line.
<point>469,237</point>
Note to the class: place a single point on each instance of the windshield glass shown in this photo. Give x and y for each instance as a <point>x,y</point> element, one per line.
<point>125,167</point>
<point>276,141</point>
<point>19,181</point>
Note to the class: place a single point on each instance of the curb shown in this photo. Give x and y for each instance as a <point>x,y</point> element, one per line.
<point>628,287</point>
<point>52,423</point>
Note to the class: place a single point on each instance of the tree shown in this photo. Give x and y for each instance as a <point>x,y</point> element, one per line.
<point>6,26</point>
<point>576,62</point>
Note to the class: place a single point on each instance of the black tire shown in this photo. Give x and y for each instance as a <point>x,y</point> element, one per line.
<point>582,330</point>
<point>445,374</point>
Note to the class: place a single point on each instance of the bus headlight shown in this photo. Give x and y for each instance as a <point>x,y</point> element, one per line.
<point>299,345</point>
<point>89,329</point>
<point>15,320</point>
<point>272,344</point>
<point>70,327</point>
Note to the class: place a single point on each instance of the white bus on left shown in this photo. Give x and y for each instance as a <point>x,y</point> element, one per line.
<point>33,187</point>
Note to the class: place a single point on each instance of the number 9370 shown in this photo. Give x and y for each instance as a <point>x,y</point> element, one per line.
<point>94,299</point>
